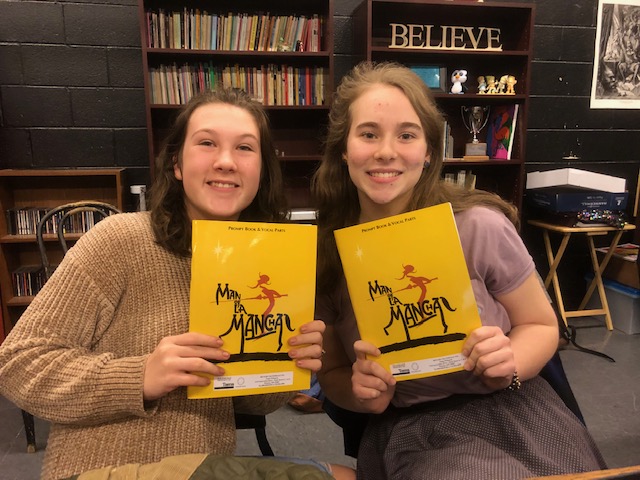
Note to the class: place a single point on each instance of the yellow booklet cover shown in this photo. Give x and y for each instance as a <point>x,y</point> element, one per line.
<point>410,290</point>
<point>253,285</point>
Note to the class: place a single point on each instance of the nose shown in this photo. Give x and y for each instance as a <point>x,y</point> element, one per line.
<point>386,150</point>
<point>224,160</point>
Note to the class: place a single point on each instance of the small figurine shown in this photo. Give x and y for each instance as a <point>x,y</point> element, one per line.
<point>511,81</point>
<point>282,46</point>
<point>482,85</point>
<point>491,84</point>
<point>458,77</point>
<point>502,84</point>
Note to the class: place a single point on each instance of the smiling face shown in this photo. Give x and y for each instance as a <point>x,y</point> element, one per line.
<point>220,163</point>
<point>386,151</point>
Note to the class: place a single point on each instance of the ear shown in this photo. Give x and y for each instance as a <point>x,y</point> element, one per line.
<point>177,172</point>
<point>344,157</point>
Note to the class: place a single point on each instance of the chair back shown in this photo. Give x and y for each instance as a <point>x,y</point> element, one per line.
<point>61,220</point>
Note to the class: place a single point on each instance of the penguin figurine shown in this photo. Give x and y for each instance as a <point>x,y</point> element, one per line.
<point>458,77</point>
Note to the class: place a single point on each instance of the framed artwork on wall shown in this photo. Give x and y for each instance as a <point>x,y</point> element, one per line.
<point>616,63</point>
<point>434,76</point>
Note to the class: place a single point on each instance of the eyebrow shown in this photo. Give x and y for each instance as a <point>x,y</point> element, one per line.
<point>242,136</point>
<point>403,125</point>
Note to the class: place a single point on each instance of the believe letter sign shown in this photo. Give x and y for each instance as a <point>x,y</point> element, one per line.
<point>445,37</point>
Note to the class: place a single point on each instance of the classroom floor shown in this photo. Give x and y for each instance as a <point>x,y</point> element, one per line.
<point>607,392</point>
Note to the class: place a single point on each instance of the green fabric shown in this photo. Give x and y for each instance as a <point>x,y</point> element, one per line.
<point>208,467</point>
<point>226,467</point>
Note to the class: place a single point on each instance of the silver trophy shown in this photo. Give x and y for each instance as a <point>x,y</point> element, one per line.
<point>475,119</point>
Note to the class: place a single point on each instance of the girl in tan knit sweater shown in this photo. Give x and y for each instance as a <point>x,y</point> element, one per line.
<point>102,351</point>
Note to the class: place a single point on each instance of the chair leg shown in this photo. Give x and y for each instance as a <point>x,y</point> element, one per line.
<point>30,431</point>
<point>263,442</point>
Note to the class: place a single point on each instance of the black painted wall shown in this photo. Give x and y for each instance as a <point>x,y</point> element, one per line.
<point>71,92</point>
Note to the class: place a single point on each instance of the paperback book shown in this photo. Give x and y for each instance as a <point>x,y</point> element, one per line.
<point>501,131</point>
<point>252,285</point>
<point>410,290</point>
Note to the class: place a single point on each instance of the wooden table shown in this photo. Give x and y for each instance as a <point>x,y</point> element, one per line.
<point>614,473</point>
<point>555,258</point>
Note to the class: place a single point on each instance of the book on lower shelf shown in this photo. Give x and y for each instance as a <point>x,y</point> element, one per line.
<point>253,285</point>
<point>410,290</point>
<point>501,129</point>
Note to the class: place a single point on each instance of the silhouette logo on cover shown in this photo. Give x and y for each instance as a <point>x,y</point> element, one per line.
<point>412,315</point>
<point>254,322</point>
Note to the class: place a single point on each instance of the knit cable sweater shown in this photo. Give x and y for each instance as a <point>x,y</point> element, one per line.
<point>77,356</point>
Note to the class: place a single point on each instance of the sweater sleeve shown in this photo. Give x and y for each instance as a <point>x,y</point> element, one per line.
<point>47,363</point>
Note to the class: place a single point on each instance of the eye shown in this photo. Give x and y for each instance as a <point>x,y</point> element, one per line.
<point>245,147</point>
<point>407,136</point>
<point>206,143</point>
<point>368,135</point>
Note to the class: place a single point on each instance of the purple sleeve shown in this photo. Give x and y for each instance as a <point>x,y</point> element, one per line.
<point>494,251</point>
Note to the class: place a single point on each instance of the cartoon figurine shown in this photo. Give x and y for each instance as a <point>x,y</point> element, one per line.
<point>511,81</point>
<point>458,77</point>
<point>491,84</point>
<point>502,84</point>
<point>482,85</point>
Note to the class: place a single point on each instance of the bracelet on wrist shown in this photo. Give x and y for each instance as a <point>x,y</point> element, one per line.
<point>515,383</point>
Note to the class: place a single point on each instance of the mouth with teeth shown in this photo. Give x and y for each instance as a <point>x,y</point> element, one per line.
<point>222,184</point>
<point>384,174</point>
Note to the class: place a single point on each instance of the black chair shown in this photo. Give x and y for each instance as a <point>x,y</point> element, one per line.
<point>66,219</point>
<point>245,421</point>
<point>86,214</point>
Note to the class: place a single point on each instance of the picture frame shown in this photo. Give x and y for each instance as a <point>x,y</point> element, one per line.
<point>434,76</point>
<point>616,81</point>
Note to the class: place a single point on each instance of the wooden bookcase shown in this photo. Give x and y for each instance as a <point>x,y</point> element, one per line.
<point>373,36</point>
<point>297,129</point>
<point>45,188</point>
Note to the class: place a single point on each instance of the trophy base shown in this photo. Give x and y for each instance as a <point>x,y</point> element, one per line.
<point>475,150</point>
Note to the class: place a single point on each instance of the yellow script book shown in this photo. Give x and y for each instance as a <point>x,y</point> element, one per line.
<point>253,285</point>
<point>410,290</point>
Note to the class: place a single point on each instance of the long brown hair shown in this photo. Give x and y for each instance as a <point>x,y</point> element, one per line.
<point>332,188</point>
<point>171,224</point>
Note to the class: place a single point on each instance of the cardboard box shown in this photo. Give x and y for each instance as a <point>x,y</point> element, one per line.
<point>624,305</point>
<point>563,200</point>
<point>576,178</point>
<point>621,269</point>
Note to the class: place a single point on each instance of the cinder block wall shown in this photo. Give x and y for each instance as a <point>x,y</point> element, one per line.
<point>71,85</point>
<point>71,92</point>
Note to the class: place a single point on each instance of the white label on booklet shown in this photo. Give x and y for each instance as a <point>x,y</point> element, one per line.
<point>263,380</point>
<point>428,365</point>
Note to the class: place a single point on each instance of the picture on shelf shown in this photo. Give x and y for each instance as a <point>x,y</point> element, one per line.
<point>435,77</point>
<point>501,131</point>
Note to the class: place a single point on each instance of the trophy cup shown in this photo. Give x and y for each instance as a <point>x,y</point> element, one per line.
<point>475,119</point>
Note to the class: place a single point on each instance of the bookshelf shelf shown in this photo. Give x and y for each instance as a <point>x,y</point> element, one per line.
<point>45,188</point>
<point>297,117</point>
<point>439,46</point>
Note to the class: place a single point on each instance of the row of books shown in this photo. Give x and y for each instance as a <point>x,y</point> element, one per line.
<point>200,30</point>
<point>447,141</point>
<point>269,84</point>
<point>28,280</point>
<point>24,221</point>
<point>462,178</point>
